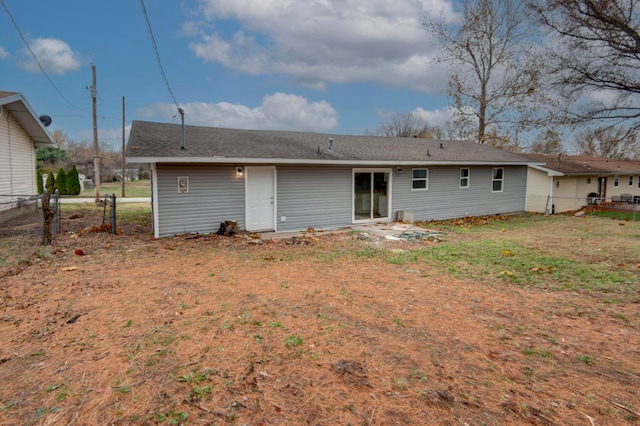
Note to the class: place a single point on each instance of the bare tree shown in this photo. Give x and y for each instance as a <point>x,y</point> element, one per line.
<point>404,124</point>
<point>495,74</point>
<point>81,154</point>
<point>61,139</point>
<point>548,142</point>
<point>606,141</point>
<point>595,46</point>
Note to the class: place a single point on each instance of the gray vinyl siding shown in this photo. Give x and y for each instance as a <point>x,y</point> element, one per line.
<point>215,195</point>
<point>317,197</point>
<point>444,198</point>
<point>321,197</point>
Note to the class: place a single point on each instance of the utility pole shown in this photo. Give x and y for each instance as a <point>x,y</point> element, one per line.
<point>123,159</point>
<point>96,148</point>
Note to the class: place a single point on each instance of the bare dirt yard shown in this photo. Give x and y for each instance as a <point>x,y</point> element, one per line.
<point>523,320</point>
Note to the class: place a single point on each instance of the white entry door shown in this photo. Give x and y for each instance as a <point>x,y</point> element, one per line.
<point>260,198</point>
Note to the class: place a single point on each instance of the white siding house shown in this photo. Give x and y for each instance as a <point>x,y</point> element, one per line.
<point>568,183</point>
<point>21,132</point>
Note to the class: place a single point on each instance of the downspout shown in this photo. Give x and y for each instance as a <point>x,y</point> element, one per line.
<point>552,192</point>
<point>154,201</point>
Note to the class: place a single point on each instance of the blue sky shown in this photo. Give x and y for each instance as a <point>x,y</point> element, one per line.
<point>334,66</point>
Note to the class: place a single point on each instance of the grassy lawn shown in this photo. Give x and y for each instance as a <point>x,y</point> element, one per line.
<point>618,215</point>
<point>139,188</point>
<point>551,253</point>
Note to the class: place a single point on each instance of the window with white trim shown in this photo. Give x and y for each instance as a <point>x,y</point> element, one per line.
<point>497,179</point>
<point>630,180</point>
<point>420,180</point>
<point>464,178</point>
<point>616,181</point>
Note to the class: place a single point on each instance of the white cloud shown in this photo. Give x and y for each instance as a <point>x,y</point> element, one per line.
<point>438,117</point>
<point>319,41</point>
<point>606,97</point>
<point>279,111</point>
<point>3,53</point>
<point>54,55</point>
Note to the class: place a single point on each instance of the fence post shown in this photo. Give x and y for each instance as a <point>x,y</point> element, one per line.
<point>113,214</point>
<point>56,209</point>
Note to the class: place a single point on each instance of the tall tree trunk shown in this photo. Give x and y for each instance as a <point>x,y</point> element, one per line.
<point>482,114</point>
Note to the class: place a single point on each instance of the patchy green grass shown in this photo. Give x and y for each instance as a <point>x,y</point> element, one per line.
<point>126,213</point>
<point>490,260</point>
<point>138,213</point>
<point>135,189</point>
<point>617,215</point>
<point>558,253</point>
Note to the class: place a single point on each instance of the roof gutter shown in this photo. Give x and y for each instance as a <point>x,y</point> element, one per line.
<point>245,160</point>
<point>43,138</point>
<point>549,172</point>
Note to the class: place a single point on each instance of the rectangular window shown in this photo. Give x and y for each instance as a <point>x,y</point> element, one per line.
<point>616,181</point>
<point>497,179</point>
<point>464,178</point>
<point>420,179</point>
<point>630,180</point>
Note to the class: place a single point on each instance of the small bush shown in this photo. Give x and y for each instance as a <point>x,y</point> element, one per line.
<point>51,183</point>
<point>61,181</point>
<point>73,182</point>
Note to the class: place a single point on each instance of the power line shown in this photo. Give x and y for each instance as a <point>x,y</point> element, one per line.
<point>24,40</point>
<point>155,48</point>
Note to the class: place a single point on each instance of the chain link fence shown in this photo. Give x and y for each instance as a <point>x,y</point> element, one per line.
<point>620,203</point>
<point>22,215</point>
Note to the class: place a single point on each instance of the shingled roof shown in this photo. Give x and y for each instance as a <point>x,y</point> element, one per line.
<point>585,164</point>
<point>162,142</point>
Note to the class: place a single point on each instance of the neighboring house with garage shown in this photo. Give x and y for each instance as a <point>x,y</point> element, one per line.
<point>561,183</point>
<point>21,132</point>
<point>290,181</point>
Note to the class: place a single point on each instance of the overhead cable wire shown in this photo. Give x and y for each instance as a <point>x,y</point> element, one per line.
<point>155,49</point>
<point>24,40</point>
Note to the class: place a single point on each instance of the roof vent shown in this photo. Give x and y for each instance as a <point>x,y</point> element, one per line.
<point>441,145</point>
<point>330,147</point>
<point>428,153</point>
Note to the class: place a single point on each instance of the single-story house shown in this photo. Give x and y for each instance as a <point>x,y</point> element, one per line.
<point>290,181</point>
<point>21,132</point>
<point>561,183</point>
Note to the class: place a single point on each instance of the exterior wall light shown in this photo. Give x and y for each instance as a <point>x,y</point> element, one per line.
<point>239,171</point>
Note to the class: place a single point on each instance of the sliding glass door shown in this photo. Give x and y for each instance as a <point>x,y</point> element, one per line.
<point>370,195</point>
